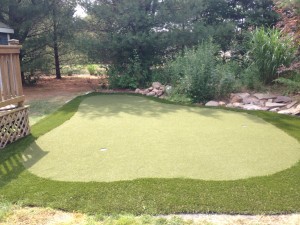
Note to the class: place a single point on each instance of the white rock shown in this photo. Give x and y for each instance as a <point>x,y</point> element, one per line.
<point>291,104</point>
<point>274,109</point>
<point>237,104</point>
<point>274,105</point>
<point>252,107</point>
<point>156,85</point>
<point>151,93</point>
<point>212,104</point>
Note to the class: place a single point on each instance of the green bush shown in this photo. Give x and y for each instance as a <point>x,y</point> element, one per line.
<point>250,78</point>
<point>92,69</point>
<point>198,75</point>
<point>292,84</point>
<point>269,49</point>
<point>130,76</point>
<point>117,79</point>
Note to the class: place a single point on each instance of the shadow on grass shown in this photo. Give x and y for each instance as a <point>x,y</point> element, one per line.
<point>113,105</point>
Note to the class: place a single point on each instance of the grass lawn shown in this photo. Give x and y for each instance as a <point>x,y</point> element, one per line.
<point>162,188</point>
<point>114,138</point>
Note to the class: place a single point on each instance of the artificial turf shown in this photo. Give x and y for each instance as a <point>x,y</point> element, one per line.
<point>113,138</point>
<point>277,193</point>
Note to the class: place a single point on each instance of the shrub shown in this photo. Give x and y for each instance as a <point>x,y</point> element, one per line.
<point>269,49</point>
<point>250,78</point>
<point>292,84</point>
<point>92,69</point>
<point>198,75</point>
<point>130,76</point>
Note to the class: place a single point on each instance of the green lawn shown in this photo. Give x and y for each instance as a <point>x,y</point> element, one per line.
<point>114,138</point>
<point>277,193</point>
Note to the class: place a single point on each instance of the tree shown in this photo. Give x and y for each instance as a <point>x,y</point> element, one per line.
<point>23,16</point>
<point>61,28</point>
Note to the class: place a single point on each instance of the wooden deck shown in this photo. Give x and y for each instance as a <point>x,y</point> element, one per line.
<point>14,122</point>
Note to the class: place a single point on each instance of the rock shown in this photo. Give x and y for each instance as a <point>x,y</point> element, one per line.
<point>262,96</point>
<point>287,111</point>
<point>274,109</point>
<point>212,104</point>
<point>145,92</point>
<point>222,103</point>
<point>237,105</point>
<point>243,95</point>
<point>162,88</point>
<point>282,99</point>
<point>152,93</point>
<point>235,98</point>
<point>252,107</point>
<point>150,89</point>
<point>156,85</point>
<point>270,100</point>
<point>291,104</point>
<point>251,100</point>
<point>159,93</point>
<point>274,105</point>
<point>137,91</point>
<point>229,105</point>
<point>168,89</point>
<point>297,111</point>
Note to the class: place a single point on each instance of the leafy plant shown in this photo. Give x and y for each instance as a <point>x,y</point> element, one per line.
<point>199,76</point>
<point>92,69</point>
<point>270,49</point>
<point>292,84</point>
<point>130,76</point>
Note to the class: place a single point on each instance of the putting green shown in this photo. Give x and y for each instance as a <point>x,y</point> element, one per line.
<point>119,137</point>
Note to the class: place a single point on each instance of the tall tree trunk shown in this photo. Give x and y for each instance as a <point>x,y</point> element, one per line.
<point>55,44</point>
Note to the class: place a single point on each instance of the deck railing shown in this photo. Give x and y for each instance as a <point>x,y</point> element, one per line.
<point>11,91</point>
<point>14,123</point>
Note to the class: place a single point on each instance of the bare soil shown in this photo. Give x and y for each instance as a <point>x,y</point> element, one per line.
<point>69,86</point>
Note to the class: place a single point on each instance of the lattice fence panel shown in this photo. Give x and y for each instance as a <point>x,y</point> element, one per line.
<point>14,124</point>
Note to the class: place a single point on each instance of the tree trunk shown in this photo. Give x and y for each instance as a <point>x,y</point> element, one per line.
<point>55,45</point>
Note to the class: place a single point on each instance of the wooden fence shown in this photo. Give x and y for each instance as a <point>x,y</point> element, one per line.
<point>14,122</point>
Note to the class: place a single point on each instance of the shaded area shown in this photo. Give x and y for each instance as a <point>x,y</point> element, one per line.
<point>147,139</point>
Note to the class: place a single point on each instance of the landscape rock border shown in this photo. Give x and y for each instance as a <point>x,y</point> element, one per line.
<point>256,101</point>
<point>260,101</point>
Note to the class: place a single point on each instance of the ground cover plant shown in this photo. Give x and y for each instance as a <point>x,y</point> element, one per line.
<point>277,193</point>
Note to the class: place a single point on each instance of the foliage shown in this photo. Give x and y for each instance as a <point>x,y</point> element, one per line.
<point>92,69</point>
<point>269,50</point>
<point>250,78</point>
<point>157,30</point>
<point>130,76</point>
<point>292,84</point>
<point>199,76</point>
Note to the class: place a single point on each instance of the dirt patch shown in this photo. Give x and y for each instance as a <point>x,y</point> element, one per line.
<point>46,216</point>
<point>48,87</point>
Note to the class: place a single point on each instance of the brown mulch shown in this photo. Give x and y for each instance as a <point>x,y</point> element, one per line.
<point>50,87</point>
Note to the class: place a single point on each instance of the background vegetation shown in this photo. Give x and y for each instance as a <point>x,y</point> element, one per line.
<point>137,41</point>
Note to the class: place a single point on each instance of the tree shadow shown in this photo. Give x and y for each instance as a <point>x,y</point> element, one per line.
<point>115,105</point>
